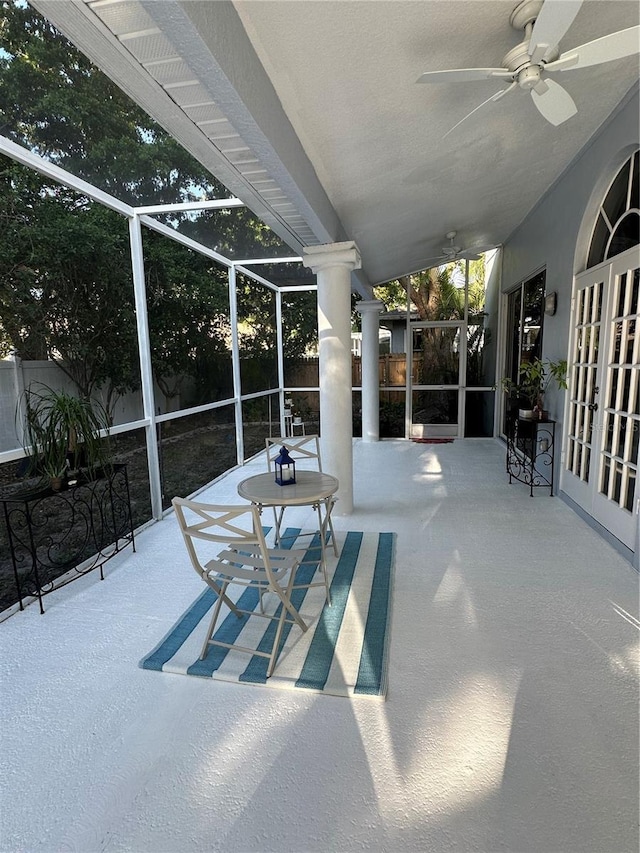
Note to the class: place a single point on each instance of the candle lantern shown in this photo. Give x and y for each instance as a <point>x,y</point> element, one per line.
<point>285,468</point>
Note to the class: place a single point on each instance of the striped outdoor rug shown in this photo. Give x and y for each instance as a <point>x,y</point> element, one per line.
<point>344,652</point>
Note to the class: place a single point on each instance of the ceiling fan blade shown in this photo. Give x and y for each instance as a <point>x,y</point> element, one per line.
<point>495,97</point>
<point>605,49</point>
<point>426,261</point>
<point>464,75</point>
<point>555,18</point>
<point>474,253</point>
<point>554,103</point>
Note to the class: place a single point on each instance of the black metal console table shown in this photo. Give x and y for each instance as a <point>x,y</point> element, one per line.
<point>58,536</point>
<point>530,450</point>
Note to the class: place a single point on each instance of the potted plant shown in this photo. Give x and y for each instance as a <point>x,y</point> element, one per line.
<point>63,433</point>
<point>534,378</point>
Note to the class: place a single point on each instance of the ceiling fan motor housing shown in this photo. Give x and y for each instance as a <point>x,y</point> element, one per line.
<point>525,13</point>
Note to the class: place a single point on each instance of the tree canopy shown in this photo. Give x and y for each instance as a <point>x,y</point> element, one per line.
<point>65,271</point>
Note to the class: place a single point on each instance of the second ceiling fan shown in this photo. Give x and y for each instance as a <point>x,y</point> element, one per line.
<point>452,253</point>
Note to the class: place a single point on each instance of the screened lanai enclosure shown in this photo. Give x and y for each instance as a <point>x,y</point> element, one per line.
<point>133,273</point>
<point>131,276</point>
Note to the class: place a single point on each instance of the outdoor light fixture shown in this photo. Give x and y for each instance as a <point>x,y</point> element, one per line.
<point>285,468</point>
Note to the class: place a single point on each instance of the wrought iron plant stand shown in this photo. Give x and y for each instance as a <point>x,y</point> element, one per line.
<point>58,536</point>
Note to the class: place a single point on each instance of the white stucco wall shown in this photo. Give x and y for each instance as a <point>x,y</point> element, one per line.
<point>556,233</point>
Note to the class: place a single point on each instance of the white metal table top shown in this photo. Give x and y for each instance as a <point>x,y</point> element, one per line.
<point>309,488</point>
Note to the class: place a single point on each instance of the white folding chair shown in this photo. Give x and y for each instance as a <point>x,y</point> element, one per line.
<point>305,452</point>
<point>245,561</point>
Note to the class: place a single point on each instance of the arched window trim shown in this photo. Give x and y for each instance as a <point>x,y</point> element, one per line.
<point>632,163</point>
<point>614,229</point>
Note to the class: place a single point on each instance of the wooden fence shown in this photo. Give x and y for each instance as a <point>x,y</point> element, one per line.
<point>392,371</point>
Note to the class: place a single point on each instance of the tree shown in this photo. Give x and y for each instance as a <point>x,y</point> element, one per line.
<point>57,104</point>
<point>66,300</point>
<point>189,325</point>
<point>66,287</point>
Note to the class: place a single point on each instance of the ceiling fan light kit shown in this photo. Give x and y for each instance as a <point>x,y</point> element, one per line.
<point>528,64</point>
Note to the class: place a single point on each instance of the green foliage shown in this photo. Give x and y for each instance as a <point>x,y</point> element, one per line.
<point>67,299</point>
<point>56,103</point>
<point>439,293</point>
<point>66,290</point>
<point>59,426</point>
<point>534,378</point>
<point>392,294</point>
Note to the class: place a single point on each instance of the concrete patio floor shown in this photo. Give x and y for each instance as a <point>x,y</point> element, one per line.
<point>511,721</point>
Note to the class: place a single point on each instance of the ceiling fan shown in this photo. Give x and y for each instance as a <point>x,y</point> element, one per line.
<point>452,253</point>
<point>529,63</point>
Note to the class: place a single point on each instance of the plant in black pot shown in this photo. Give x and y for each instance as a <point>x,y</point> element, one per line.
<point>534,377</point>
<point>63,434</point>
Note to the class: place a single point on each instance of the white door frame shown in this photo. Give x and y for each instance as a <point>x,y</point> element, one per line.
<point>445,430</point>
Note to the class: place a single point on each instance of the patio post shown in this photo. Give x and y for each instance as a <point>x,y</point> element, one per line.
<point>332,263</point>
<point>369,310</point>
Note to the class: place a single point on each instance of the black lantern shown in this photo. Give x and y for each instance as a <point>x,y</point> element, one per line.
<point>285,468</point>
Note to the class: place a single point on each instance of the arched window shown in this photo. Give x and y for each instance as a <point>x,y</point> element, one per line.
<point>617,227</point>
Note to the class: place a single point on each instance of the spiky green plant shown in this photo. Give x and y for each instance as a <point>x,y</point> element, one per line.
<point>60,427</point>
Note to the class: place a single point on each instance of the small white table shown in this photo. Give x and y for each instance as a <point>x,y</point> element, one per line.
<point>311,488</point>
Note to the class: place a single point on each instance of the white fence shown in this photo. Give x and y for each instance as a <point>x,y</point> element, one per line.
<point>17,375</point>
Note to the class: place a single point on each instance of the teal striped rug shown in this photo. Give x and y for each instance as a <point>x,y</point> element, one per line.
<point>345,650</point>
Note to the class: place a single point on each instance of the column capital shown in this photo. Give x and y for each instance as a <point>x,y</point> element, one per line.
<point>369,306</point>
<point>328,255</point>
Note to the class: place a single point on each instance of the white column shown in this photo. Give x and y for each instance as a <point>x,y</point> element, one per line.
<point>332,265</point>
<point>369,311</point>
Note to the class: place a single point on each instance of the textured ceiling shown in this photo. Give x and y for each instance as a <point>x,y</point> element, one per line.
<point>310,112</point>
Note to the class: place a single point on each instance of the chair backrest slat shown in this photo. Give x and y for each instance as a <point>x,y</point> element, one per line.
<point>304,448</point>
<point>221,523</point>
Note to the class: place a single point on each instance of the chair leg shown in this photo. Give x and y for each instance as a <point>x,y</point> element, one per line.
<point>286,607</point>
<point>322,524</point>
<point>278,515</point>
<point>286,601</point>
<point>214,618</point>
<point>276,644</point>
<point>333,533</point>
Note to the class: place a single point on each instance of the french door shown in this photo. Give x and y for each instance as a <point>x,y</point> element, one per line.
<point>434,378</point>
<point>600,469</point>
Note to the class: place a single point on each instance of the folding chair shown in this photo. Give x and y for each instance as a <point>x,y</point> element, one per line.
<point>305,452</point>
<point>246,561</point>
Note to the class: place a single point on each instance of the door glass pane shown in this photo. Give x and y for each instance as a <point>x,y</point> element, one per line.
<point>435,407</point>
<point>635,440</point>
<point>524,332</point>
<point>601,234</point>
<point>625,236</point>
<point>606,465</point>
<point>585,468</point>
<point>532,317</point>
<point>617,481</point>
<point>615,203</point>
<point>436,356</point>
<point>513,335</point>
<point>608,433</point>
<point>631,489</point>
